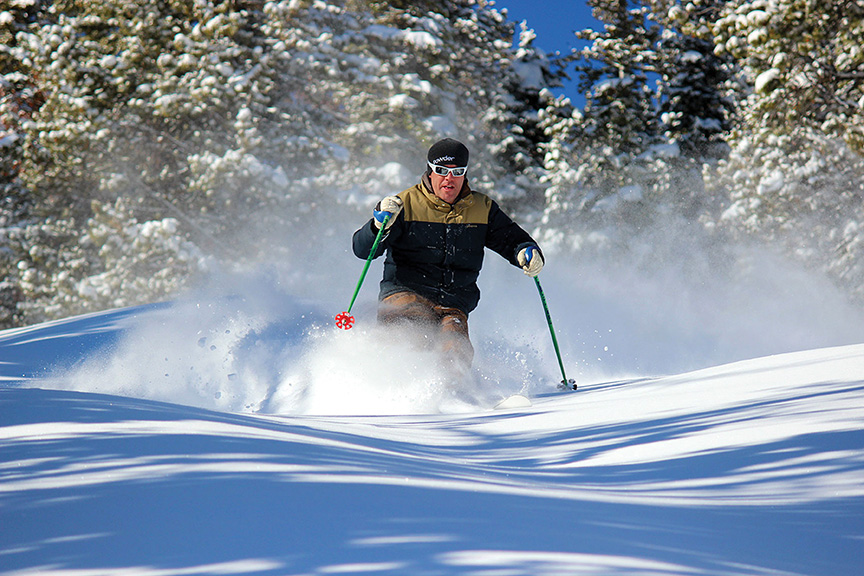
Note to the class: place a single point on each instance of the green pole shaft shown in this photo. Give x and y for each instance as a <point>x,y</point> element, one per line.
<point>369,260</point>
<point>551,329</point>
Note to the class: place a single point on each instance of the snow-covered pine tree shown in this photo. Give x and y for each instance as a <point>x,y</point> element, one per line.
<point>694,88</point>
<point>805,63</point>
<point>694,102</point>
<point>208,119</point>
<point>614,69</point>
<point>522,152</point>
<point>599,154</point>
<point>796,175</point>
<point>627,172</point>
<point>20,98</point>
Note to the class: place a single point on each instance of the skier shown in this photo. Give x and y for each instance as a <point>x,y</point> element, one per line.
<point>434,240</point>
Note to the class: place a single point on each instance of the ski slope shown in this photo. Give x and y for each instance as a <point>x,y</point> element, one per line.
<point>134,442</point>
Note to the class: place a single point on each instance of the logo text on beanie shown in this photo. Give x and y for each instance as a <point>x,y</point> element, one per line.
<point>443,159</point>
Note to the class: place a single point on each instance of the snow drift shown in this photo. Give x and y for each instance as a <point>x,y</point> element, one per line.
<point>748,468</point>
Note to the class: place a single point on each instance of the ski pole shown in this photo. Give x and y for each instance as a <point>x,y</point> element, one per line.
<point>565,383</point>
<point>345,320</point>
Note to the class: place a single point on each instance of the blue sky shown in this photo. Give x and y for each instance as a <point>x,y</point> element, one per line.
<point>554,22</point>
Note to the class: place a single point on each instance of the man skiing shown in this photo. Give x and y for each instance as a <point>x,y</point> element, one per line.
<point>435,239</point>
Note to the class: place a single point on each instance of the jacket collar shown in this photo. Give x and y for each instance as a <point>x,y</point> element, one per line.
<point>426,185</point>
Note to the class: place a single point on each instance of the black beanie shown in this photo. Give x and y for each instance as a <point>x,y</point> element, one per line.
<point>448,151</point>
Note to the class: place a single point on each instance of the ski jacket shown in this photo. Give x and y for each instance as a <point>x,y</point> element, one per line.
<point>436,249</point>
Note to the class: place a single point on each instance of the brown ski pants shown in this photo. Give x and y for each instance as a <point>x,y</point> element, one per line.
<point>449,325</point>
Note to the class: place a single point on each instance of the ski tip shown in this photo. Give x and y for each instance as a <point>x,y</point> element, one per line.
<point>514,401</point>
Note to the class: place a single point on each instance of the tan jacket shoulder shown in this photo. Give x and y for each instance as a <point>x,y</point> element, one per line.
<point>421,205</point>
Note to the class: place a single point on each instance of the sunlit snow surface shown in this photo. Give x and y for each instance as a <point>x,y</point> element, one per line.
<point>237,437</point>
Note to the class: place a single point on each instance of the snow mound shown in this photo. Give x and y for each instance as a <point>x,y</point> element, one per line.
<point>749,468</point>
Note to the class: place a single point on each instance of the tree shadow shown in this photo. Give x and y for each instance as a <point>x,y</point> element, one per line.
<point>103,483</point>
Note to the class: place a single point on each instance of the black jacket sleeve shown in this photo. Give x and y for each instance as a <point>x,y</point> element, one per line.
<point>506,237</point>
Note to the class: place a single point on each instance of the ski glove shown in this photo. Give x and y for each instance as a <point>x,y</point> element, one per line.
<point>530,260</point>
<point>389,205</point>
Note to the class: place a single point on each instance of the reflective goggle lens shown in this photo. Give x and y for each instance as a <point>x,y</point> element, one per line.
<point>444,170</point>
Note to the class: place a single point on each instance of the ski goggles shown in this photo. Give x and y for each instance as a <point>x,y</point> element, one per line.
<point>444,170</point>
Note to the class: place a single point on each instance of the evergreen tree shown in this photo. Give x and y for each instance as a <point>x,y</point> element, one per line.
<point>620,112</point>
<point>795,172</point>
<point>599,155</point>
<point>804,61</point>
<point>696,105</point>
<point>521,153</point>
<point>20,99</point>
<point>202,121</point>
<point>695,99</point>
<point>659,104</point>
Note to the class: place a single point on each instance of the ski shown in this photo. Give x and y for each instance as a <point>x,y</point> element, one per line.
<point>514,401</point>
